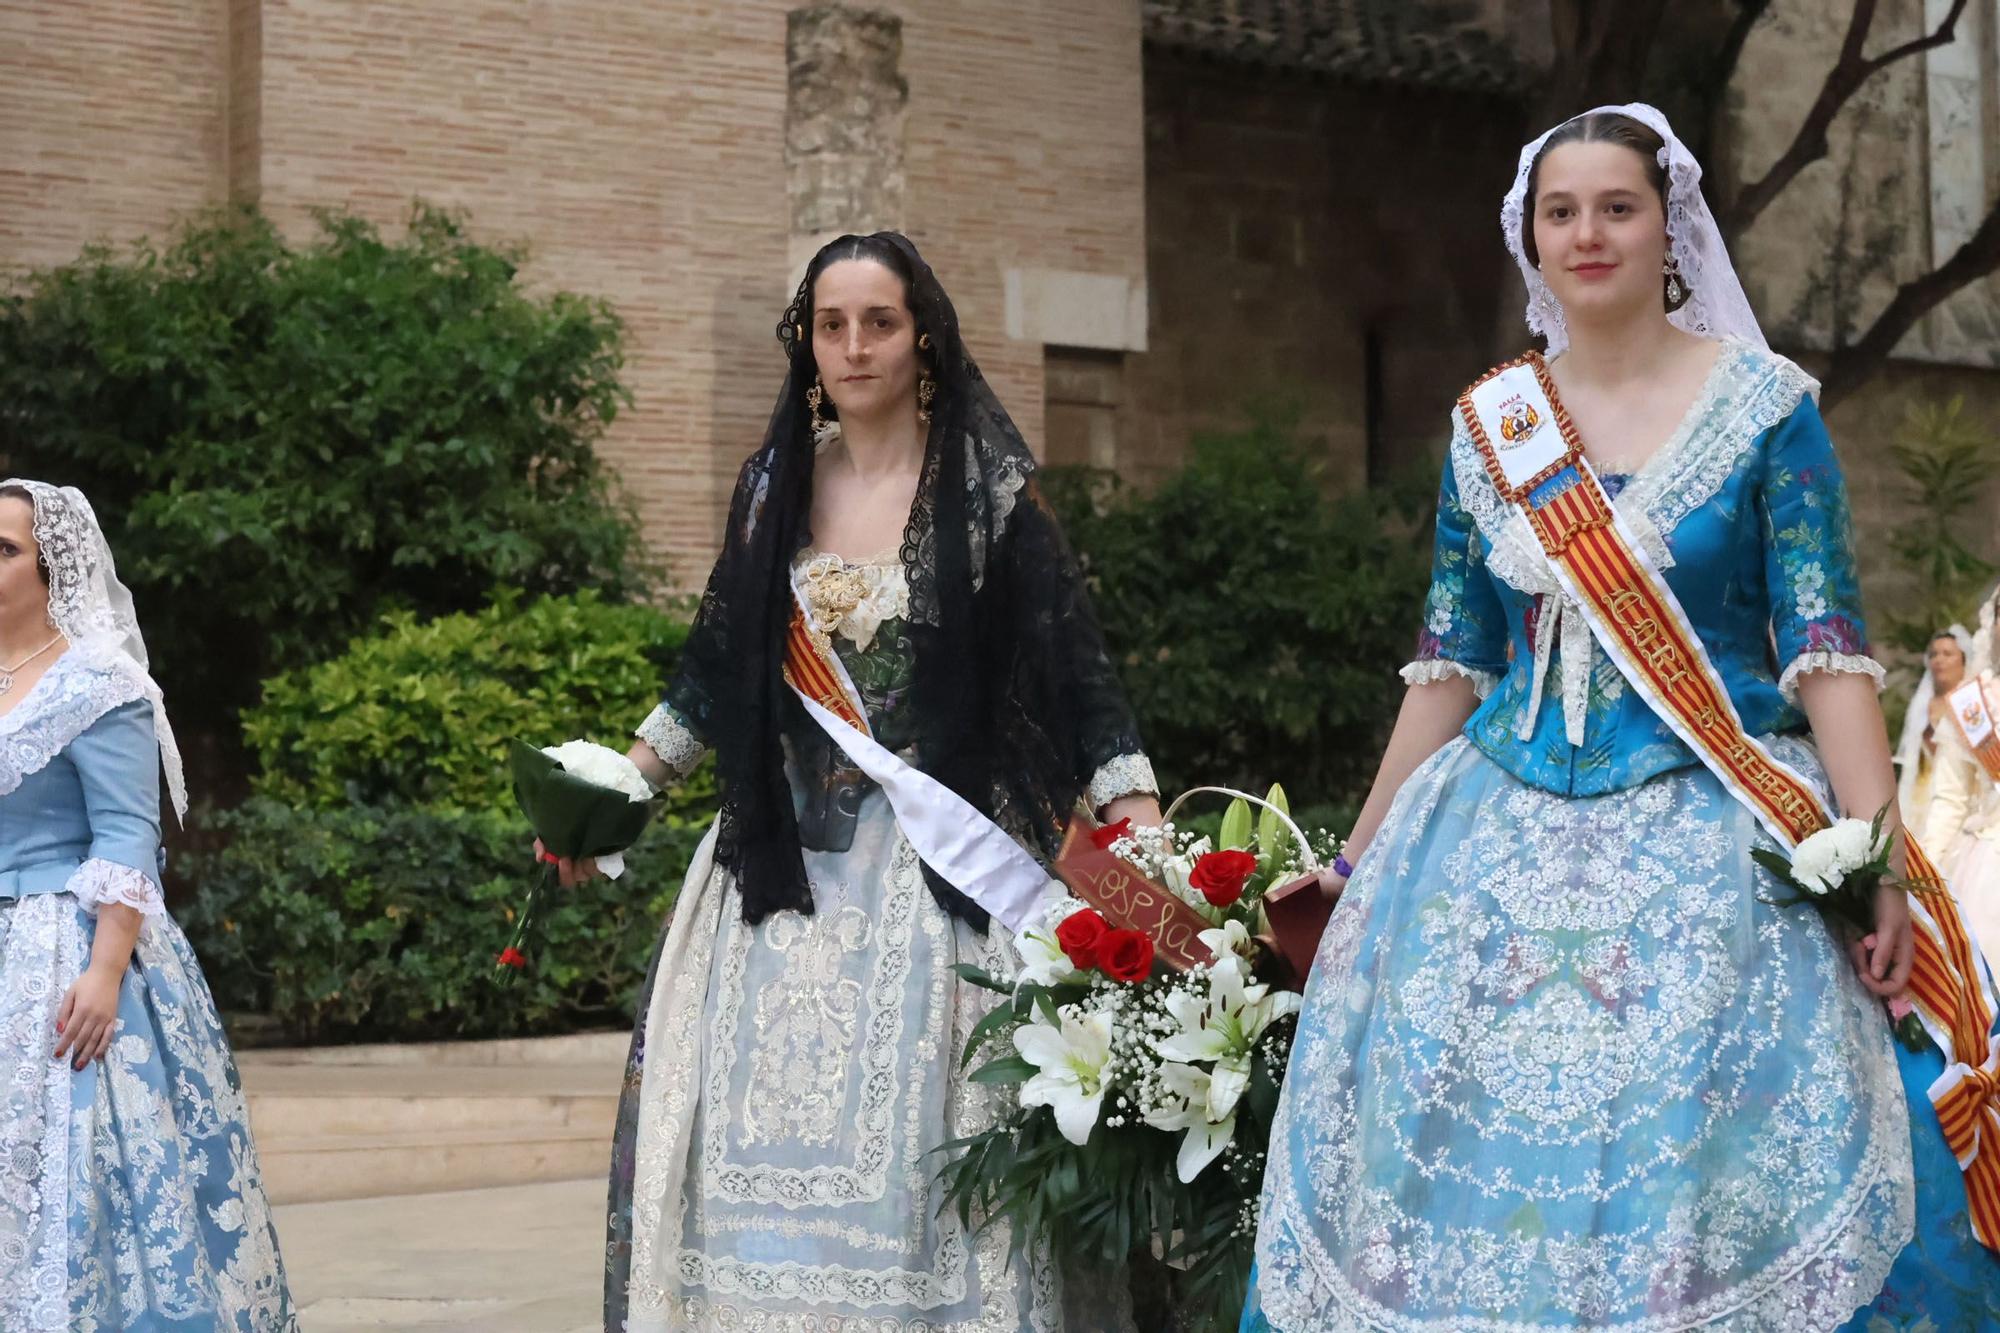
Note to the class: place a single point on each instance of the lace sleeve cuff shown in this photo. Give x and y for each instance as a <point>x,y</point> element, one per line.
<point>1126,775</point>
<point>671,740</point>
<point>1438,668</point>
<point>1833,663</point>
<point>97,882</point>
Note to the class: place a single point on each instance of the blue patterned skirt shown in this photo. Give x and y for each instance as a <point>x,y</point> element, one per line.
<point>130,1197</point>
<point>1561,1065</point>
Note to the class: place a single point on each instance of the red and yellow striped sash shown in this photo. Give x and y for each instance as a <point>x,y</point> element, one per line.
<point>811,673</point>
<point>1647,634</point>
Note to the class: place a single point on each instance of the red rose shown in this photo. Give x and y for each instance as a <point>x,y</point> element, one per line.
<point>512,957</point>
<point>1103,838</point>
<point>1126,955</point>
<point>1221,875</point>
<point>1079,936</point>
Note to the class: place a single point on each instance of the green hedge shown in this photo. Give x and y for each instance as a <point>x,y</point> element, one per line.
<point>363,892</point>
<point>377,924</point>
<point>420,713</point>
<point>286,437</point>
<point>1258,621</point>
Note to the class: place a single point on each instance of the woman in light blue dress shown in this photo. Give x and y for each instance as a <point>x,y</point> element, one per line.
<point>130,1197</point>
<point>1562,1062</point>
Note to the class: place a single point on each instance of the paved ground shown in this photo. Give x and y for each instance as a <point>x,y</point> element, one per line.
<point>522,1259</point>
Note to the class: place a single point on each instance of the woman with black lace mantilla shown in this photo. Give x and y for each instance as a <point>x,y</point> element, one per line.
<point>890,573</point>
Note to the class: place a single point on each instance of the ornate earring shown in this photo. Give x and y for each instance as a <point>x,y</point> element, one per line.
<point>926,391</point>
<point>824,432</point>
<point>1677,292</point>
<point>923,342</point>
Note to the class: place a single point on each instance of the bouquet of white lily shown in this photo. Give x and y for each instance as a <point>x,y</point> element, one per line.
<point>1145,1093</point>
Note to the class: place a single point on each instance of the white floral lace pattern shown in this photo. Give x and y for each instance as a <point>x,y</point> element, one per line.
<point>1560,1065</point>
<point>668,737</point>
<point>61,706</point>
<point>98,882</point>
<point>1748,392</point>
<point>1125,775</point>
<point>1833,663</point>
<point>1440,668</point>
<point>746,1143</point>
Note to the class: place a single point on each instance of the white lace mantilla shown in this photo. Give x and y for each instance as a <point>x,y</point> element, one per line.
<point>1748,391</point>
<point>1126,775</point>
<point>668,737</point>
<point>59,707</point>
<point>98,882</point>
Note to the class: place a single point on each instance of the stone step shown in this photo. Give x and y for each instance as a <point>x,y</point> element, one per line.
<point>304,1102</point>
<point>366,1166</point>
<point>353,1122</point>
<point>582,1048</point>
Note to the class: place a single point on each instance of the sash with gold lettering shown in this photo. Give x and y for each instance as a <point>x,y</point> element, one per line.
<point>975,855</point>
<point>1975,723</point>
<point>1535,458</point>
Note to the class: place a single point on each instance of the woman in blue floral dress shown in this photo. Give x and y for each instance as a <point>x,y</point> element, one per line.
<point>1562,1061</point>
<point>130,1197</point>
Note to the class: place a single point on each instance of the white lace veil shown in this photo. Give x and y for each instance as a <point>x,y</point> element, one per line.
<point>1918,716</point>
<point>1716,307</point>
<point>93,609</point>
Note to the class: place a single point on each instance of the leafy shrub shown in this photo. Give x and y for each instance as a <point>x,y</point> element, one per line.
<point>1946,464</point>
<point>382,924</point>
<point>419,714</point>
<point>283,440</point>
<point>1258,624</point>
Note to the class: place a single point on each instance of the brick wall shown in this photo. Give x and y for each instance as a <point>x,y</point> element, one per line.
<point>635,145</point>
<point>1326,246</point>
<point>112,119</point>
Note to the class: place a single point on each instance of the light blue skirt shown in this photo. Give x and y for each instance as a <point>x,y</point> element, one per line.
<point>130,1197</point>
<point>1562,1066</point>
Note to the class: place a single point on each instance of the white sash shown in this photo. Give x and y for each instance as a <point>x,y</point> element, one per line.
<point>974,854</point>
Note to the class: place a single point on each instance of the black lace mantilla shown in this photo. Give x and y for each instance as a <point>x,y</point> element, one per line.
<point>1017,703</point>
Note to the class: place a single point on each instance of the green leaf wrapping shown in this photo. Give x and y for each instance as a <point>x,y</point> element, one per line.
<point>573,818</point>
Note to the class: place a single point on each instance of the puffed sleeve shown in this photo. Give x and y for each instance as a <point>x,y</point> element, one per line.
<point>1464,632</point>
<point>1110,761</point>
<point>1809,570</point>
<point>117,759</point>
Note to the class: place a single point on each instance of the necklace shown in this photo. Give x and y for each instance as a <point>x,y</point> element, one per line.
<point>7,673</point>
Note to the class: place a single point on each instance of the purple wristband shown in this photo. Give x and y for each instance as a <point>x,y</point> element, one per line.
<point>1343,867</point>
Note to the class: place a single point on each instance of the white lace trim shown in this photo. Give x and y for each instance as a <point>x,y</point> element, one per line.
<point>668,737</point>
<point>1748,392</point>
<point>98,881</point>
<point>1833,663</point>
<point>1126,775</point>
<point>1442,668</point>
<point>61,706</point>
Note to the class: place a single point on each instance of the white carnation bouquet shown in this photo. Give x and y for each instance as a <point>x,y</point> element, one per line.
<point>1836,871</point>
<point>583,800</point>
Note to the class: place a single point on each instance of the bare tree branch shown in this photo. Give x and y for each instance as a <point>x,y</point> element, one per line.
<point>1842,82</point>
<point>1853,364</point>
<point>1716,88</point>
